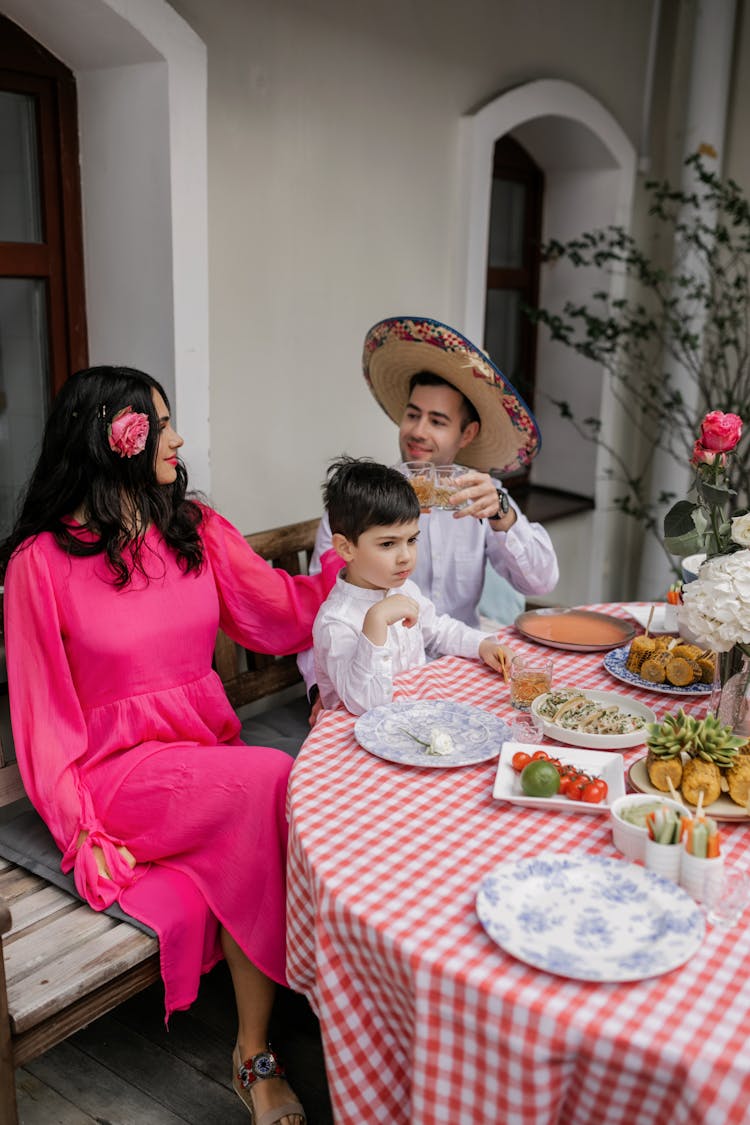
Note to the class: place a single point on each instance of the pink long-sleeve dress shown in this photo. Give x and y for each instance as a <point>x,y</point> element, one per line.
<point>122,729</point>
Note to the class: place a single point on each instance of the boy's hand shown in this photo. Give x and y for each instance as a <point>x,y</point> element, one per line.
<point>399,607</point>
<point>495,655</point>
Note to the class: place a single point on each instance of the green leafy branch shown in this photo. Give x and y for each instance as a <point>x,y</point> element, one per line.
<point>693,316</point>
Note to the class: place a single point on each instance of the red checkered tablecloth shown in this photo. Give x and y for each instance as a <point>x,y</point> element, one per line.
<point>424,1019</point>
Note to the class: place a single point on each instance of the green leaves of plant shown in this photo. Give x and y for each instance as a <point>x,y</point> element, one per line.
<point>685,527</point>
<point>714,494</point>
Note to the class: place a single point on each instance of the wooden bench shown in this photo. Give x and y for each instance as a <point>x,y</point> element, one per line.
<point>63,964</point>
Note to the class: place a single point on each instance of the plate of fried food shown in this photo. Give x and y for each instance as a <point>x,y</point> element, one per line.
<point>698,762</point>
<point>593,720</point>
<point>664,664</point>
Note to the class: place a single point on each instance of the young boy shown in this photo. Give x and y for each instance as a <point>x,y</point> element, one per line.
<point>375,623</point>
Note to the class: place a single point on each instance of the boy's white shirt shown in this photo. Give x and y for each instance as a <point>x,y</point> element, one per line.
<point>451,563</point>
<point>350,668</point>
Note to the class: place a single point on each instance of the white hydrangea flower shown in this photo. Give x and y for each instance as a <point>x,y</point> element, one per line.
<point>716,605</point>
<point>740,532</point>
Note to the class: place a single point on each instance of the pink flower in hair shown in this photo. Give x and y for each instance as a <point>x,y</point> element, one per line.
<point>128,432</point>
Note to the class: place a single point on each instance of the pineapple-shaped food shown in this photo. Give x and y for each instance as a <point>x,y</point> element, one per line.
<point>738,776</point>
<point>715,749</point>
<point>665,742</point>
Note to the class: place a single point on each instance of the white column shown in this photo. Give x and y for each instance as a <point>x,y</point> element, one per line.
<point>705,124</point>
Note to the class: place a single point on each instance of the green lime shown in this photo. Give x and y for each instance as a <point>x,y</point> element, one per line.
<point>540,779</point>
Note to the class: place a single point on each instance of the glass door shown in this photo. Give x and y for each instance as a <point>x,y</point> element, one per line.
<point>24,337</point>
<point>42,302</point>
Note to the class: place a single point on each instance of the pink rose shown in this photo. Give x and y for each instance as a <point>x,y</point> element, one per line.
<point>721,431</point>
<point>128,432</point>
<point>703,456</point>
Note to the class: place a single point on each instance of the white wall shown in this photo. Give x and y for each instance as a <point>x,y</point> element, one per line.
<point>333,189</point>
<point>124,146</point>
<point>332,192</point>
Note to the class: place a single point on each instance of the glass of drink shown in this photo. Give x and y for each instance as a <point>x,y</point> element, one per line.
<point>728,897</point>
<point>421,476</point>
<point>530,676</point>
<point>446,485</point>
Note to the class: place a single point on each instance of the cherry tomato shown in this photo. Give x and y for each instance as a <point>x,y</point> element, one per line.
<point>519,760</point>
<point>594,792</point>
<point>540,755</point>
<point>575,789</point>
<point>565,783</point>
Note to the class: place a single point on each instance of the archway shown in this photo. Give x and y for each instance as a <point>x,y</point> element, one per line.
<point>589,166</point>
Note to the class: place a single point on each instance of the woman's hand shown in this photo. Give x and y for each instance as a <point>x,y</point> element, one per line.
<point>98,855</point>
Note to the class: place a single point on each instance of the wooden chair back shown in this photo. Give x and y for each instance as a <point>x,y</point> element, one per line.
<point>248,676</point>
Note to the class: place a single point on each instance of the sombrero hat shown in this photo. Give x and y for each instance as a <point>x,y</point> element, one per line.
<point>399,347</point>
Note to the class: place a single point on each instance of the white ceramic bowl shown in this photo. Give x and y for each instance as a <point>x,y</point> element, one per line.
<point>690,565</point>
<point>628,838</point>
<point>597,741</point>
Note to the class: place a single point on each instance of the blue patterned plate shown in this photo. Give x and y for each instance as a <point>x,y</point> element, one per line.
<point>589,917</point>
<point>476,734</point>
<point>614,662</point>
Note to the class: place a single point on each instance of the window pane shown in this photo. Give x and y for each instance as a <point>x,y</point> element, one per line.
<point>502,333</point>
<point>23,386</point>
<point>506,224</point>
<point>20,215</point>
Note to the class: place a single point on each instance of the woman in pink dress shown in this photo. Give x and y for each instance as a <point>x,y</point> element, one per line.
<point>116,584</point>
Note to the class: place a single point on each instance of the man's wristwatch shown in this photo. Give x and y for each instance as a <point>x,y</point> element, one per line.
<point>503,504</point>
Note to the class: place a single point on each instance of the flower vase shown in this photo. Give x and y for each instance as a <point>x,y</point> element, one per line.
<point>730,698</point>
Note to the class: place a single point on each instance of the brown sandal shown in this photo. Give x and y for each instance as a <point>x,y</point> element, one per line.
<point>244,1077</point>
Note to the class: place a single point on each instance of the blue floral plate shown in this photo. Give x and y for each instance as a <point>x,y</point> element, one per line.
<point>477,735</point>
<point>614,662</point>
<point>589,917</point>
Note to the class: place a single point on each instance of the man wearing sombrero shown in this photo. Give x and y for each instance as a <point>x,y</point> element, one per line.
<point>452,404</point>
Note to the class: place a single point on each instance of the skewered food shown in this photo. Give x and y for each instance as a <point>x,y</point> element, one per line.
<point>681,672</point>
<point>692,754</point>
<point>654,668</point>
<point>662,770</point>
<point>738,779</point>
<point>687,651</point>
<point>665,659</point>
<point>665,743</point>
<point>700,776</point>
<point>640,649</point>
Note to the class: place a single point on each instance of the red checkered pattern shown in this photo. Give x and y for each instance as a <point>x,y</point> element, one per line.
<point>424,1019</point>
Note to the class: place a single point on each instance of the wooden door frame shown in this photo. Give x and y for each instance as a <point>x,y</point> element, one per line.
<point>27,68</point>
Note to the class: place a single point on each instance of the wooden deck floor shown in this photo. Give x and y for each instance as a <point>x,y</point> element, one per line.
<point>128,1069</point>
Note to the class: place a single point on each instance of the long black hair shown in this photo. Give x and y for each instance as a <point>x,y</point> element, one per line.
<point>78,471</point>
